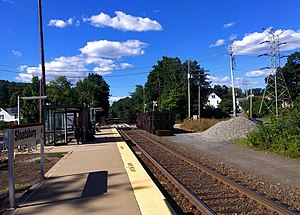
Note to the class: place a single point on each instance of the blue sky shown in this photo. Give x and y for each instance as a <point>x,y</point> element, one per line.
<point>122,40</point>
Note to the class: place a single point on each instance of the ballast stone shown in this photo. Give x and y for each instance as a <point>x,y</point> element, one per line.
<point>234,128</point>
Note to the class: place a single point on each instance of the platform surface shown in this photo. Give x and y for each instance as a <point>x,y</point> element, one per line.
<point>103,177</point>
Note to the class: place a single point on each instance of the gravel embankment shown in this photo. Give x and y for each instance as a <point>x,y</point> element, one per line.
<point>228,130</point>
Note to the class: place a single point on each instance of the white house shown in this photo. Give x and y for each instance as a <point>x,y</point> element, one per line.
<point>8,115</point>
<point>213,100</point>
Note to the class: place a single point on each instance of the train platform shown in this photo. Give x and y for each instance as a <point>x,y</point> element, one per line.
<point>102,177</point>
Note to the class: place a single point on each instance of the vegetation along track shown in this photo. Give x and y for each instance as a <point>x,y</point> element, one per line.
<point>195,187</point>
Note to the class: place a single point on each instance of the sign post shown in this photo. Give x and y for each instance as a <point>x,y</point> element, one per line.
<point>15,136</point>
<point>11,178</point>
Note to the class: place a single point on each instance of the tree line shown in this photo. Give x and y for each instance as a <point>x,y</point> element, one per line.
<point>92,91</point>
<point>164,90</point>
<point>166,87</point>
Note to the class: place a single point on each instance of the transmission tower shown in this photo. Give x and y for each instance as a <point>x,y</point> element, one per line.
<point>276,96</point>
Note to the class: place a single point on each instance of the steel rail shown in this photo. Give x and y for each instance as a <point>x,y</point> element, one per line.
<point>240,188</point>
<point>194,200</point>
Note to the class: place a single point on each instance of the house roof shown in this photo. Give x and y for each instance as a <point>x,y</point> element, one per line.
<point>214,94</point>
<point>12,111</point>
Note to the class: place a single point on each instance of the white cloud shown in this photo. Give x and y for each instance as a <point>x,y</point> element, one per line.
<point>9,1</point>
<point>89,60</point>
<point>24,77</point>
<point>69,21</point>
<point>125,65</point>
<point>219,42</point>
<point>23,67</point>
<point>219,80</point>
<point>17,53</point>
<point>113,49</point>
<point>232,37</point>
<point>228,25</point>
<point>251,43</point>
<point>107,67</point>
<point>115,99</point>
<point>124,22</point>
<point>226,80</point>
<point>74,68</point>
<point>258,73</point>
<point>77,23</point>
<point>71,67</point>
<point>62,24</point>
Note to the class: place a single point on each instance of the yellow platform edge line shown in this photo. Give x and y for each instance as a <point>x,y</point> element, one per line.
<point>149,198</point>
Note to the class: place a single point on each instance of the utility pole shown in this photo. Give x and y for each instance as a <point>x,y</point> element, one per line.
<point>232,81</point>
<point>189,90</point>
<point>43,84</point>
<point>251,107</point>
<point>199,99</point>
<point>144,99</point>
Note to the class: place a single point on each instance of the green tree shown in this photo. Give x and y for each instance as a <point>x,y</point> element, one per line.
<point>59,91</point>
<point>226,104</point>
<point>167,84</point>
<point>166,75</point>
<point>93,91</point>
<point>30,109</point>
<point>9,92</point>
<point>221,91</point>
<point>173,101</point>
<point>127,108</point>
<point>137,98</point>
<point>291,74</point>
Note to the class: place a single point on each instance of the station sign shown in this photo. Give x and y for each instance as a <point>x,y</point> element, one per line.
<point>17,135</point>
<point>25,134</point>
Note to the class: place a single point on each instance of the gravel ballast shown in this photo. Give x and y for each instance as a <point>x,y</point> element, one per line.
<point>276,176</point>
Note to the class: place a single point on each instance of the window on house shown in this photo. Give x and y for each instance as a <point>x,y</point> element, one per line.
<point>2,117</point>
<point>213,96</point>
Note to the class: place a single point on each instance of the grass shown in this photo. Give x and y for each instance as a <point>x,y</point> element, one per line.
<point>198,125</point>
<point>17,187</point>
<point>56,155</point>
<point>59,154</point>
<point>46,160</point>
<point>242,142</point>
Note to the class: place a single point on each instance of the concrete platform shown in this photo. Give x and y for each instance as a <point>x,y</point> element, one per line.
<point>103,177</point>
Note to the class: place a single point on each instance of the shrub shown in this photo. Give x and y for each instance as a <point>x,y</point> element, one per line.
<point>282,135</point>
<point>4,125</point>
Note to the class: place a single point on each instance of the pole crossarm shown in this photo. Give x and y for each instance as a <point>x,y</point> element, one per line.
<point>33,97</point>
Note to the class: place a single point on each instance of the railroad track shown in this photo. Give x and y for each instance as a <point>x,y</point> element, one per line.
<point>195,187</point>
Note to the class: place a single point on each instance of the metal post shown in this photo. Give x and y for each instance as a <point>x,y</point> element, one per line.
<point>18,110</point>
<point>66,125</point>
<point>232,81</point>
<point>276,94</point>
<point>11,178</point>
<point>189,91</point>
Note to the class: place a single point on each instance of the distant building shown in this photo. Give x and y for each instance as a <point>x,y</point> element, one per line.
<point>8,115</point>
<point>213,100</point>
<point>238,103</point>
